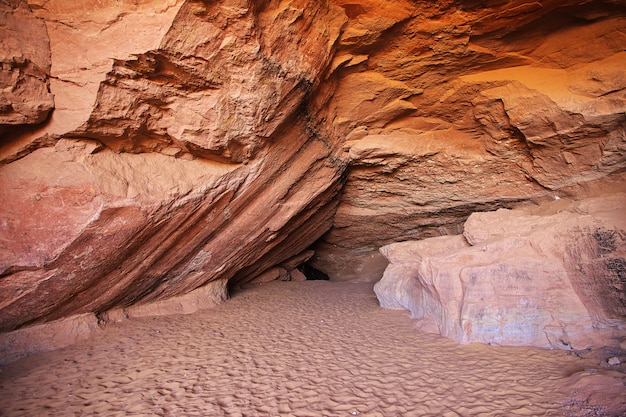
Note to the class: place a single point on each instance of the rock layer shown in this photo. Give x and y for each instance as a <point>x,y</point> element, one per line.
<point>459,107</point>
<point>166,186</point>
<point>196,144</point>
<point>550,278</point>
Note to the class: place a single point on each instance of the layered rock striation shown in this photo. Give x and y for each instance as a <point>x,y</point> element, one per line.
<point>196,163</point>
<point>459,107</point>
<point>157,150</point>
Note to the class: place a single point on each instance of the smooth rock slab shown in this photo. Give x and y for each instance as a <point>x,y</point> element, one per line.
<point>547,279</point>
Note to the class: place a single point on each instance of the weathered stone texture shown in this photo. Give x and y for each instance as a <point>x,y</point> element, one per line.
<point>25,96</point>
<point>551,277</point>
<point>197,165</point>
<point>464,107</point>
<point>191,142</point>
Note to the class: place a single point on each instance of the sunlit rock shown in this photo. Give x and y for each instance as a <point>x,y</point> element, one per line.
<point>469,106</point>
<point>193,164</point>
<point>156,153</point>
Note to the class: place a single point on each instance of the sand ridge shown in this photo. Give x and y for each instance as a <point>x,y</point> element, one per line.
<point>286,349</point>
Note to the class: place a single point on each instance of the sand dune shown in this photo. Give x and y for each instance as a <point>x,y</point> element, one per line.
<point>290,349</point>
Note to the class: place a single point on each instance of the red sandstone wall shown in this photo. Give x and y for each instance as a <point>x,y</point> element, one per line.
<point>194,142</point>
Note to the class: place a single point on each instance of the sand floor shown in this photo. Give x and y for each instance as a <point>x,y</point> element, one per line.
<point>292,349</point>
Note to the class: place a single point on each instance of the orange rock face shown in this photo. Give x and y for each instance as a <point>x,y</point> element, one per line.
<point>196,164</point>
<point>197,143</point>
<point>458,107</point>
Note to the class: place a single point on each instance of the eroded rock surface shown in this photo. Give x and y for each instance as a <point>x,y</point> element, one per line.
<point>25,97</point>
<point>552,276</point>
<point>457,107</point>
<point>193,145</point>
<point>196,164</point>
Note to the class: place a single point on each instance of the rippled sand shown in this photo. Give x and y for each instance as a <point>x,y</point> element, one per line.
<point>290,349</point>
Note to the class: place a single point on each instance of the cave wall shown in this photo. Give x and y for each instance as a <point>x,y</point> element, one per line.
<point>195,143</point>
<point>195,160</point>
<point>457,107</point>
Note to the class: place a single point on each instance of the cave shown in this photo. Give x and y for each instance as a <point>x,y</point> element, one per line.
<point>313,274</point>
<point>448,175</point>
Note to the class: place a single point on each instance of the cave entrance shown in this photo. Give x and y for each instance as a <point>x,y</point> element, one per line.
<point>313,274</point>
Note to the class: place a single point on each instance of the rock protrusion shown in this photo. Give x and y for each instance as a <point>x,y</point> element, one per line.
<point>519,277</point>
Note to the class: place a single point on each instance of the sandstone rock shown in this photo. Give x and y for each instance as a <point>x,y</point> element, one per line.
<point>81,42</point>
<point>292,263</point>
<point>198,142</point>
<point>370,19</point>
<point>25,96</point>
<point>70,330</point>
<point>595,392</point>
<point>221,94</point>
<point>519,277</point>
<point>199,299</point>
<point>505,104</point>
<point>285,271</point>
<point>148,200</point>
<point>614,361</point>
<point>271,274</point>
<point>43,338</point>
<point>297,275</point>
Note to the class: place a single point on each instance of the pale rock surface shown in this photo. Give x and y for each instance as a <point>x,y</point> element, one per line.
<point>25,97</point>
<point>205,297</point>
<point>551,276</point>
<point>81,40</point>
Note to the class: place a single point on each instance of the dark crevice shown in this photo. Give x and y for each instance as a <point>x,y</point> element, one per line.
<point>313,274</point>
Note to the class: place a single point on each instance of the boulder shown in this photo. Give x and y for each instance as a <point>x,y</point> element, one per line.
<point>551,276</point>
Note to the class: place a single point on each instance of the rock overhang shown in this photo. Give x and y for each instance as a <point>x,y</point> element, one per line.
<point>234,135</point>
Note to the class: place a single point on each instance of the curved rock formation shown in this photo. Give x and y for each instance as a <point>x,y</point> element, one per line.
<point>461,107</point>
<point>197,164</point>
<point>194,144</point>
